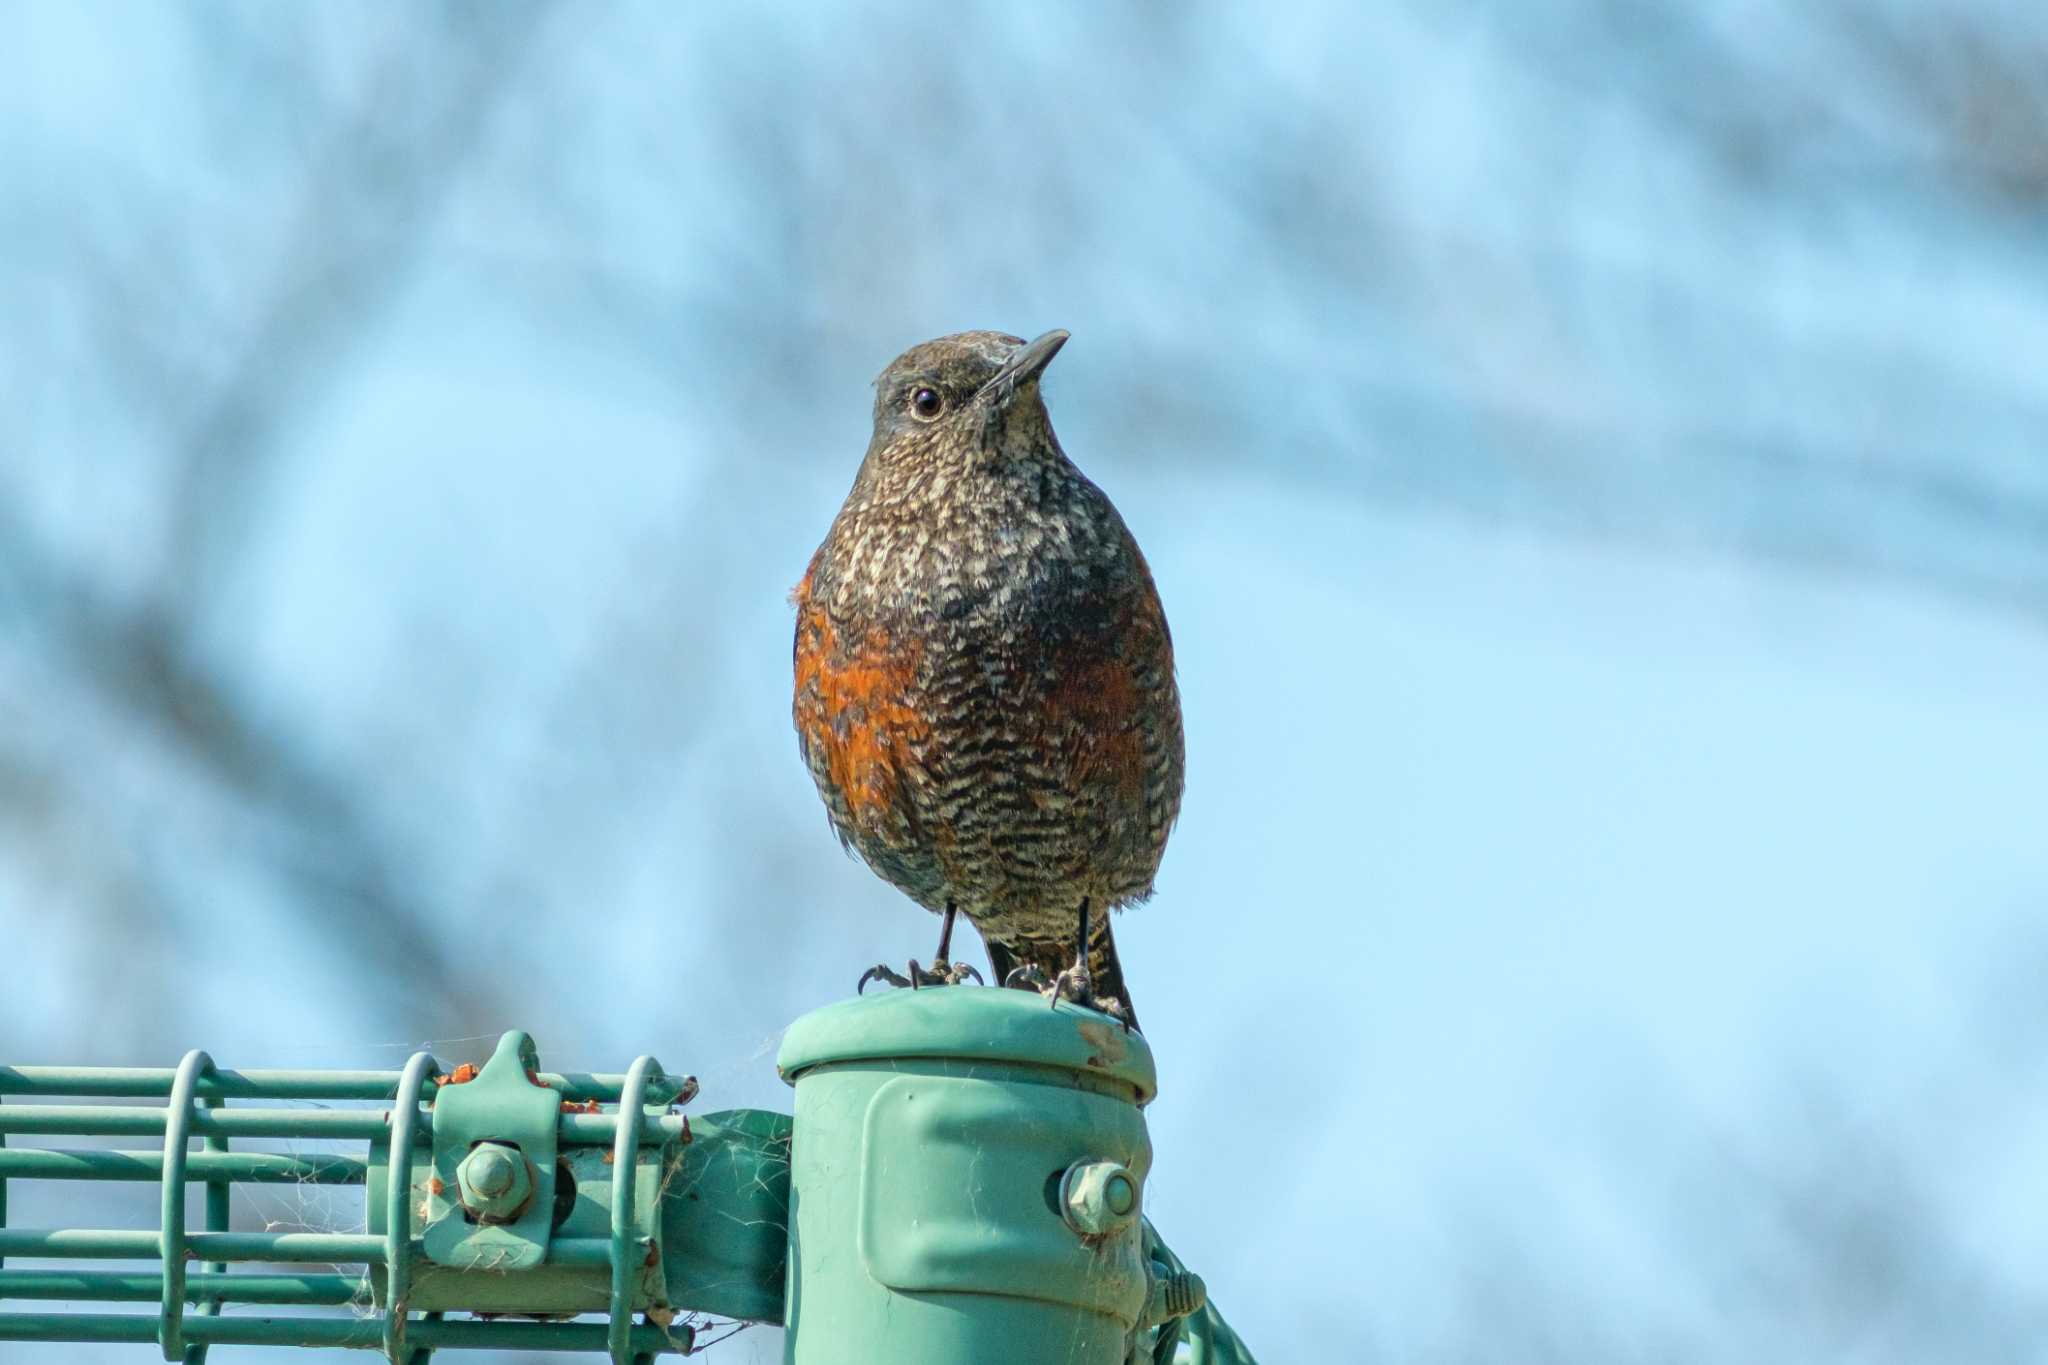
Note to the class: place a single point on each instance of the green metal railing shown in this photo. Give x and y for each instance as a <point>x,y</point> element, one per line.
<point>528,1199</point>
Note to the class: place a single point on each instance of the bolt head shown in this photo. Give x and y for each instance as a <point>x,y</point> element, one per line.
<point>492,1171</point>
<point>495,1182</point>
<point>1098,1198</point>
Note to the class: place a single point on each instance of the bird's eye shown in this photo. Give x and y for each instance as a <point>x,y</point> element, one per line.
<point>926,403</point>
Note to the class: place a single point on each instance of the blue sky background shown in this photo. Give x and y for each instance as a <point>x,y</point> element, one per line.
<point>1592,457</point>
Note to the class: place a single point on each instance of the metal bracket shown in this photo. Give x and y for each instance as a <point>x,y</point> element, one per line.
<point>505,1105</point>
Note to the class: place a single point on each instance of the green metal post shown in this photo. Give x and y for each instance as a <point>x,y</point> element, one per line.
<point>967,1181</point>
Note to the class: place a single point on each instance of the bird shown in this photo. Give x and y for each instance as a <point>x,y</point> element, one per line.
<point>984,677</point>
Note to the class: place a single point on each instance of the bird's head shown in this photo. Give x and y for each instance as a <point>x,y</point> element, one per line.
<point>962,397</point>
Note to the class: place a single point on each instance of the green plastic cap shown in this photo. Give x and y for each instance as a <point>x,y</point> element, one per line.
<point>970,1024</point>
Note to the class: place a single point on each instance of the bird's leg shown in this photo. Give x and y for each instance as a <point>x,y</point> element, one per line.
<point>1074,983</point>
<point>943,971</point>
<point>1077,985</point>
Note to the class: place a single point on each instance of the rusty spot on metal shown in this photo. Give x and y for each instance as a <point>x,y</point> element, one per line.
<point>1106,1041</point>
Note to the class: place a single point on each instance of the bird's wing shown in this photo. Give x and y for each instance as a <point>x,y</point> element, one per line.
<point>856,723</point>
<point>1115,711</point>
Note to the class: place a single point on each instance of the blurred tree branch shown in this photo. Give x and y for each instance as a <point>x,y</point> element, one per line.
<point>1977,88</point>
<point>368,194</point>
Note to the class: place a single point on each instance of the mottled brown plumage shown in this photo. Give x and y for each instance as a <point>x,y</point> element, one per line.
<point>984,678</point>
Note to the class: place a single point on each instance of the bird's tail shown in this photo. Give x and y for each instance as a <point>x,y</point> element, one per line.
<point>1053,956</point>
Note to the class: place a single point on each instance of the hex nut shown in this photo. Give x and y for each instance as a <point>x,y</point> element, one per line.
<point>496,1182</point>
<point>1098,1198</point>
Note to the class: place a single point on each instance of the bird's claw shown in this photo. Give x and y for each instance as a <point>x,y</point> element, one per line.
<point>882,972</point>
<point>1101,1004</point>
<point>1114,1008</point>
<point>942,973</point>
<point>1074,985</point>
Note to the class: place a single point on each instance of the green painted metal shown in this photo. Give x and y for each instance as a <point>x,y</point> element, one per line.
<point>967,1185</point>
<point>119,1082</point>
<point>1191,1331</point>
<point>935,1133</point>
<point>200,1285</point>
<point>359,1333</point>
<point>725,1215</point>
<point>411,1157</point>
<point>635,1245</point>
<point>1076,1046</point>
<point>398,1243</point>
<point>134,1121</point>
<point>121,1244</point>
<point>501,1109</point>
<point>559,1255</point>
<point>218,1214</point>
<point>341,1125</point>
<point>222,1167</point>
<point>495,1182</point>
<point>1098,1198</point>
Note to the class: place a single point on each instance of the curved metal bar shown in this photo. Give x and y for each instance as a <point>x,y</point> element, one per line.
<point>405,1124</point>
<point>627,1257</point>
<point>170,1324</point>
<point>216,1221</point>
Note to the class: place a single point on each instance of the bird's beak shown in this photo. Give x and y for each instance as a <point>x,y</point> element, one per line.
<point>1020,369</point>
